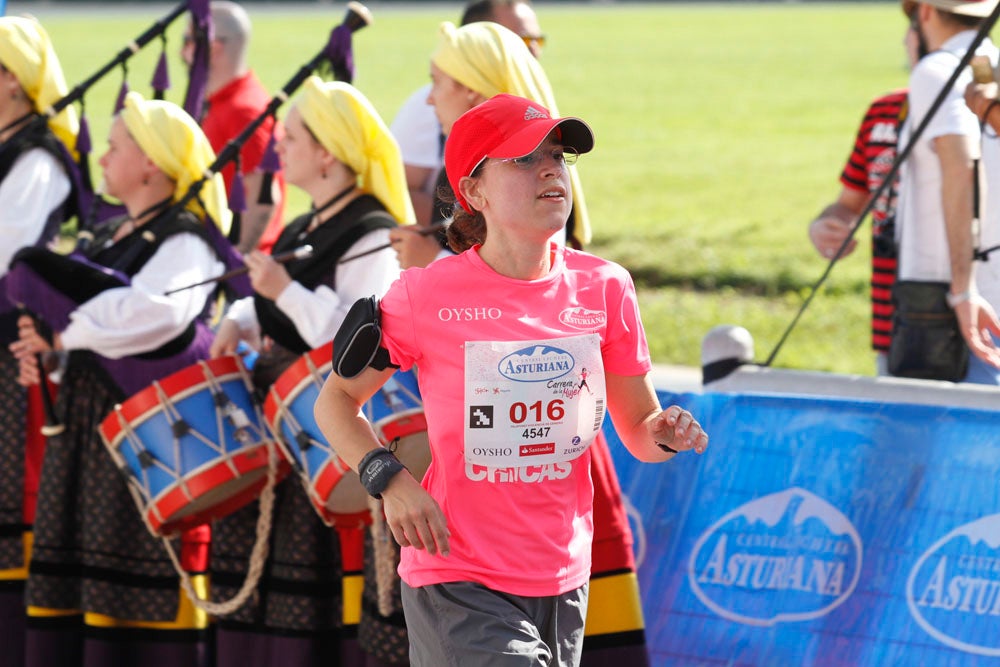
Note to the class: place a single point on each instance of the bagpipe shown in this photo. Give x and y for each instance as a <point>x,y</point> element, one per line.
<point>204,410</point>
<point>52,285</point>
<point>82,281</point>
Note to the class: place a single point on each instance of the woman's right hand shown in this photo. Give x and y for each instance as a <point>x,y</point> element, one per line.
<point>415,518</point>
<point>227,338</point>
<point>26,349</point>
<point>412,247</point>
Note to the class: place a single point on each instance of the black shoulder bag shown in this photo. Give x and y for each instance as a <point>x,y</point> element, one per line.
<point>926,342</point>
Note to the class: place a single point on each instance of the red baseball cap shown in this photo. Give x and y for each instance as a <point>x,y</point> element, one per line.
<point>505,126</point>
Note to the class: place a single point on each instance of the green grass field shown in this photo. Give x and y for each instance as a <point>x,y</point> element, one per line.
<point>721,131</point>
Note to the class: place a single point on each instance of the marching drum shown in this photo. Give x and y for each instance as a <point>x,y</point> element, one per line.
<point>193,446</point>
<point>396,413</point>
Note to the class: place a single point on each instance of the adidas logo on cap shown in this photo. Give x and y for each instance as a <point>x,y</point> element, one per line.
<point>531,113</point>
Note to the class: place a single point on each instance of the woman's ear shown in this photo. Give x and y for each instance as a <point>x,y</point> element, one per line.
<point>474,97</point>
<point>469,189</point>
<point>150,172</point>
<point>10,85</point>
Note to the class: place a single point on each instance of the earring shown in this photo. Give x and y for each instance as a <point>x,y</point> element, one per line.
<point>322,174</point>
<point>145,180</point>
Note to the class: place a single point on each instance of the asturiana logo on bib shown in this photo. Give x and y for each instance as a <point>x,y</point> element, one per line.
<point>953,590</point>
<point>583,318</point>
<point>537,363</point>
<point>789,556</point>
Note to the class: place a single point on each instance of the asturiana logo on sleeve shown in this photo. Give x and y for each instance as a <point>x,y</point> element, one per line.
<point>536,363</point>
<point>953,590</point>
<point>788,556</point>
<point>583,318</point>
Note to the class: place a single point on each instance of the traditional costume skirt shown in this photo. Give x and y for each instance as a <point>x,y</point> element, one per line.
<point>13,408</point>
<point>615,632</point>
<point>102,590</point>
<point>296,615</point>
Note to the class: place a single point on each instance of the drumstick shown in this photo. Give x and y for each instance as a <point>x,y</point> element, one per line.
<point>298,253</point>
<point>424,231</point>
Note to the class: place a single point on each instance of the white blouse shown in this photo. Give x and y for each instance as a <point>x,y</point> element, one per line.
<point>34,187</point>
<point>318,314</point>
<point>131,320</point>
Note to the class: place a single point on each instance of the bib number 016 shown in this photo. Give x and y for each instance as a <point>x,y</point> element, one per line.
<point>539,411</point>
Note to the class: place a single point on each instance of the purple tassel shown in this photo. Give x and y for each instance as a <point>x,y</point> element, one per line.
<point>238,196</point>
<point>237,201</point>
<point>231,257</point>
<point>161,77</point>
<point>270,160</point>
<point>203,31</point>
<point>270,164</point>
<point>83,145</point>
<point>338,51</point>
<point>120,102</point>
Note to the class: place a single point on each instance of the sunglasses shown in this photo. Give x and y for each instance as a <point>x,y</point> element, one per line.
<point>562,155</point>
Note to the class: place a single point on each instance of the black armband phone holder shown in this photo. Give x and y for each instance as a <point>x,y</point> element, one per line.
<point>358,341</point>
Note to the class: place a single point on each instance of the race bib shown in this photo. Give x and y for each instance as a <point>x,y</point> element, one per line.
<point>532,402</point>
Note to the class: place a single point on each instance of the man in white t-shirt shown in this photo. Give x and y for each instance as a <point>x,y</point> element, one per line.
<point>936,231</point>
<point>416,127</point>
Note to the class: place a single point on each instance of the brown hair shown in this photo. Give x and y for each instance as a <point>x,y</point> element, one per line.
<point>466,229</point>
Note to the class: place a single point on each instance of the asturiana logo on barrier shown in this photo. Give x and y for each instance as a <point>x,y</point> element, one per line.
<point>789,556</point>
<point>536,363</point>
<point>953,590</point>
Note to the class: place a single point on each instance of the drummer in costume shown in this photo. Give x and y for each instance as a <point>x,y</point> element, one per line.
<point>35,197</point>
<point>339,151</point>
<point>471,64</point>
<point>94,560</point>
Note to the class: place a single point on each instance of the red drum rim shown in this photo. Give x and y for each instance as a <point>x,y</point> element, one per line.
<point>188,379</point>
<point>289,383</point>
<point>160,512</point>
<point>402,424</point>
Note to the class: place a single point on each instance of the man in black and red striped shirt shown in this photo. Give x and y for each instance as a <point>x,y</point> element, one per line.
<point>870,160</point>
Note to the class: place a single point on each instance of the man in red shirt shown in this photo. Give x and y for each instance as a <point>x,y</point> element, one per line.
<point>235,97</point>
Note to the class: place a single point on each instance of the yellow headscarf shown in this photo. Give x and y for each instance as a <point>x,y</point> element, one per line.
<point>490,59</point>
<point>347,125</point>
<point>174,142</point>
<point>25,50</point>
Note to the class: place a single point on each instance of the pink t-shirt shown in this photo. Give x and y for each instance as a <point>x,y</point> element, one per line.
<point>528,530</point>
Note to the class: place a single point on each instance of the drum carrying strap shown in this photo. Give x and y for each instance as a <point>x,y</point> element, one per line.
<point>258,554</point>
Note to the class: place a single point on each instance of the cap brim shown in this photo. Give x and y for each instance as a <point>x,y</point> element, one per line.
<point>977,9</point>
<point>573,133</point>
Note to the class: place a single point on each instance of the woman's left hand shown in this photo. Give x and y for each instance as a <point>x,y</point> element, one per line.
<point>677,428</point>
<point>26,349</point>
<point>269,279</point>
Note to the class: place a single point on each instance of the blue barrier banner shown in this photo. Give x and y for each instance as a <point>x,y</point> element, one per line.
<point>821,531</point>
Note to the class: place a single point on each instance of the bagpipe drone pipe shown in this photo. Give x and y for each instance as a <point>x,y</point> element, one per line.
<point>84,202</point>
<point>52,285</point>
